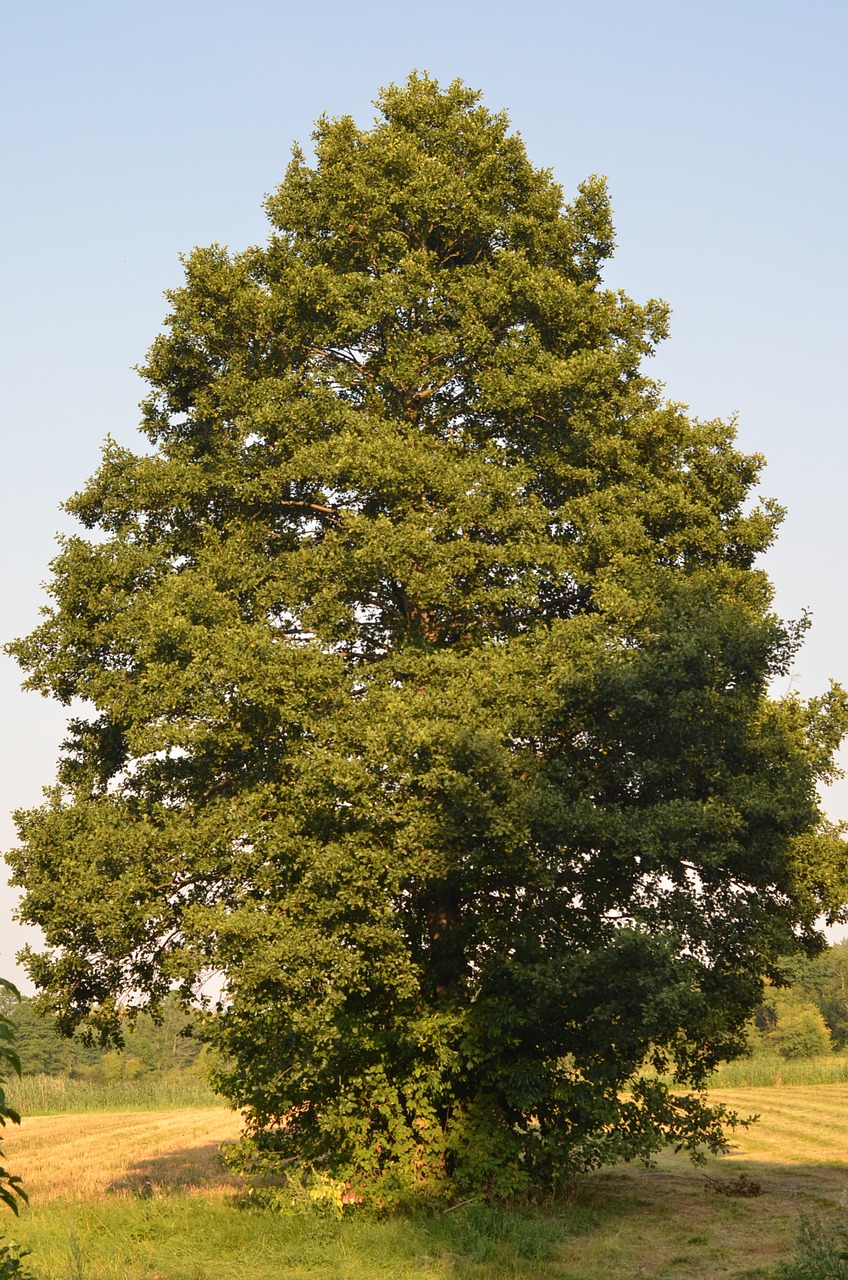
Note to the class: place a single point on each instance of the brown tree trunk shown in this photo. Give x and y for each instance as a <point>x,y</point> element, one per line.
<point>448,965</point>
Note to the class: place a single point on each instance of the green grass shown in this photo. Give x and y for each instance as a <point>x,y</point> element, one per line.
<point>770,1069</point>
<point>156,1223</point>
<point>57,1095</point>
<point>196,1238</point>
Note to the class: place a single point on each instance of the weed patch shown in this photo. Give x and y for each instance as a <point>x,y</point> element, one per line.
<point>821,1253</point>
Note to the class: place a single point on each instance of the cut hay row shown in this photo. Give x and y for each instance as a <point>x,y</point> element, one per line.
<point>75,1157</point>
<point>797,1125</point>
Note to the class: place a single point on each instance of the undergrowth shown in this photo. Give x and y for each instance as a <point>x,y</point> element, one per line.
<point>821,1253</point>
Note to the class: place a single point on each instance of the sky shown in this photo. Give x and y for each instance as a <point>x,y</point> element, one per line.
<point>134,131</point>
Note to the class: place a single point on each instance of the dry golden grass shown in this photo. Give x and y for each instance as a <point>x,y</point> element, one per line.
<point>85,1157</point>
<point>105,1179</point>
<point>798,1125</point>
<point>670,1221</point>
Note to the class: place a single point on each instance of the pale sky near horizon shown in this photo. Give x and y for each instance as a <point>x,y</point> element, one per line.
<point>135,131</point>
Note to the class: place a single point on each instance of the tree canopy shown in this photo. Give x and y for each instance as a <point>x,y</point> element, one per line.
<point>425,666</point>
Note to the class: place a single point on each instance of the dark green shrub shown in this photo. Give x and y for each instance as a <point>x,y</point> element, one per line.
<point>10,1185</point>
<point>12,1265</point>
<point>821,1254</point>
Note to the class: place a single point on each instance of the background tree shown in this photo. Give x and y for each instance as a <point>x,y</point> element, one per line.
<point>788,1024</point>
<point>428,670</point>
<point>824,982</point>
<point>160,1045</point>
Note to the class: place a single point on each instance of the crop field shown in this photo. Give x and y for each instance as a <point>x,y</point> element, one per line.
<point>135,1195</point>
<point>42,1095</point>
<point>771,1069</point>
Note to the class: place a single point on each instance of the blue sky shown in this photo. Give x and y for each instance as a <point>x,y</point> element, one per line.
<point>133,131</point>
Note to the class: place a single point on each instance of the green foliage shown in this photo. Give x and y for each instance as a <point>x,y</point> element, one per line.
<point>787,1024</point>
<point>164,1043</point>
<point>430,668</point>
<point>160,1044</point>
<point>40,1047</point>
<point>823,981</point>
<point>801,1033</point>
<point>12,1265</point>
<point>11,1191</point>
<point>807,1015</point>
<point>821,1254</point>
<point>161,1065</point>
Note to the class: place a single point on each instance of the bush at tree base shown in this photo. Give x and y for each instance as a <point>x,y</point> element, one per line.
<point>429,667</point>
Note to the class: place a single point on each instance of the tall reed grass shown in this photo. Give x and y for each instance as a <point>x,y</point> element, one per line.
<point>767,1070</point>
<point>40,1095</point>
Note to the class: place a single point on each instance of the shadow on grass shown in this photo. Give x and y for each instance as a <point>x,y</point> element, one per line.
<point>683,1222</point>
<point>674,1222</point>
<point>185,1169</point>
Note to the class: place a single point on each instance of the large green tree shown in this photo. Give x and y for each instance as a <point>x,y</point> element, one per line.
<point>427,675</point>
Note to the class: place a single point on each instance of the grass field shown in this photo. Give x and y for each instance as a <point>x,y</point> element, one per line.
<point>770,1069</point>
<point>40,1095</point>
<point>137,1195</point>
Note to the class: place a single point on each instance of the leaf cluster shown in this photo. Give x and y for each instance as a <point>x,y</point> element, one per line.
<point>11,1191</point>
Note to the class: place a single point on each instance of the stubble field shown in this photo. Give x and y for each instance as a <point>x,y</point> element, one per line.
<point>141,1194</point>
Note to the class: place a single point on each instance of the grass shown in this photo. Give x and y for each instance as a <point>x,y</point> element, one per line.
<point>186,1238</point>
<point>770,1069</point>
<point>138,1195</point>
<point>40,1095</point>
<point>129,1154</point>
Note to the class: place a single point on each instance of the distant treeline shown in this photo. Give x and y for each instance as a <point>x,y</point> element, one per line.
<point>808,1016</point>
<point>149,1046</point>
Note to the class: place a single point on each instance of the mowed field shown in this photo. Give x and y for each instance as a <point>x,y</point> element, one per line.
<point>137,1195</point>
<point>131,1153</point>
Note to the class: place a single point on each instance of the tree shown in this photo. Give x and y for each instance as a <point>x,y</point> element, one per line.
<point>428,667</point>
<point>787,1024</point>
<point>11,1191</point>
<point>39,1046</point>
<point>801,1032</point>
<point>824,982</point>
<point>162,1045</point>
